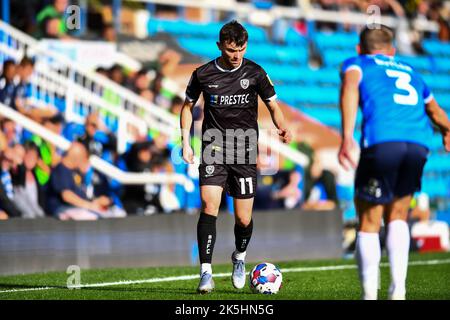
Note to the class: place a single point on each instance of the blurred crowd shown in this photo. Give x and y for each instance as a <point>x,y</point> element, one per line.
<point>39,179</point>
<point>437,11</point>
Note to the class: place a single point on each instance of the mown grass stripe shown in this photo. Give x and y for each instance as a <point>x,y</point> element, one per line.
<point>225,274</point>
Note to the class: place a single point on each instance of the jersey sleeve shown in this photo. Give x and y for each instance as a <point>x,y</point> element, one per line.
<point>264,87</point>
<point>353,63</point>
<point>193,89</point>
<point>426,93</point>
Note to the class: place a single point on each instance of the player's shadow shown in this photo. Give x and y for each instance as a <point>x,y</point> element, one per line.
<point>12,286</point>
<point>144,290</point>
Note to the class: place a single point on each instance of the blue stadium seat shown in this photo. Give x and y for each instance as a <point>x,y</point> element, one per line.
<point>334,57</point>
<point>256,51</point>
<point>442,64</point>
<point>326,40</point>
<point>417,62</point>
<point>293,37</point>
<point>443,99</point>
<point>206,30</point>
<point>437,47</point>
<point>443,216</point>
<point>437,81</point>
<point>436,187</point>
<point>283,73</point>
<point>439,163</point>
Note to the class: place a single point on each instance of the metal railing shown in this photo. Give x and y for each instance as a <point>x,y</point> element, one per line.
<point>97,163</point>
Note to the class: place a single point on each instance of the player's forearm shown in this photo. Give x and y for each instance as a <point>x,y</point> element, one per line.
<point>349,109</point>
<point>277,116</point>
<point>438,116</point>
<point>74,200</point>
<point>186,123</point>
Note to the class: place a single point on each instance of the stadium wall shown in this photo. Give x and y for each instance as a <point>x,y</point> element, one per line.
<point>40,245</point>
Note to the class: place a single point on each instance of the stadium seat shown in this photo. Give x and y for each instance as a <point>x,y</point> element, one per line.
<point>327,40</point>
<point>293,37</point>
<point>205,30</point>
<point>256,51</point>
<point>442,64</point>
<point>437,47</point>
<point>417,62</point>
<point>334,57</point>
<point>437,81</point>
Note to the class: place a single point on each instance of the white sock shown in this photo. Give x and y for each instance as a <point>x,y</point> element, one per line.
<point>397,245</point>
<point>368,255</point>
<point>205,267</point>
<point>240,255</point>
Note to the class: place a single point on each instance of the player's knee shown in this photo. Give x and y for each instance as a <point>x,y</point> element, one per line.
<point>210,207</point>
<point>243,221</point>
<point>370,224</point>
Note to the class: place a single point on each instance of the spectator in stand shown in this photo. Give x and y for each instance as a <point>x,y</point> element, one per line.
<point>29,195</point>
<point>51,21</point>
<point>439,14</point>
<point>314,175</point>
<point>7,85</point>
<point>141,199</point>
<point>49,156</point>
<point>312,187</point>
<point>109,33</point>
<point>161,97</point>
<point>140,82</point>
<point>67,198</point>
<point>177,105</point>
<point>97,139</point>
<point>25,70</point>
<point>116,74</point>
<point>12,135</point>
<point>8,161</point>
<point>102,71</point>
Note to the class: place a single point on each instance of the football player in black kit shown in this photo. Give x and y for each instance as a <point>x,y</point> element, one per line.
<point>230,85</point>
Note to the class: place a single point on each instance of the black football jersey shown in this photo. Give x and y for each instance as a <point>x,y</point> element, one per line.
<point>230,96</point>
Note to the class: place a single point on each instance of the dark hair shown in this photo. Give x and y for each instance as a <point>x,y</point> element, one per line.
<point>26,61</point>
<point>177,100</point>
<point>375,37</point>
<point>31,146</point>
<point>55,119</point>
<point>233,32</point>
<point>8,63</point>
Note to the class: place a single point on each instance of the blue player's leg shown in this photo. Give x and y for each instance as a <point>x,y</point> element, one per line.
<point>397,244</point>
<point>396,214</point>
<point>368,249</point>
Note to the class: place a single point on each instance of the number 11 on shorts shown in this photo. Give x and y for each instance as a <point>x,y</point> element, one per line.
<point>250,184</point>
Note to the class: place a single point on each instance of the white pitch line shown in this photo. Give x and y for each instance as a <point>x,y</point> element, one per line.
<point>226,274</point>
<point>27,289</point>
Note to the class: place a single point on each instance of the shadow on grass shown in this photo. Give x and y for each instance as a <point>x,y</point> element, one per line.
<point>12,286</point>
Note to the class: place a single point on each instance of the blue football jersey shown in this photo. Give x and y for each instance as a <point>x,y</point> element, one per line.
<point>392,97</point>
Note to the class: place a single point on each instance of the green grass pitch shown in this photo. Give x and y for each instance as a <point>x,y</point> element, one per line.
<point>426,280</point>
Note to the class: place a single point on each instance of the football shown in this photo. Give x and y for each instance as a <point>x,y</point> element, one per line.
<point>265,278</point>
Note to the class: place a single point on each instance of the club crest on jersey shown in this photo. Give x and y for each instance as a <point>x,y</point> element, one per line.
<point>209,170</point>
<point>245,83</point>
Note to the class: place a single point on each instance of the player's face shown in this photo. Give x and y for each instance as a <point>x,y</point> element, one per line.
<point>232,54</point>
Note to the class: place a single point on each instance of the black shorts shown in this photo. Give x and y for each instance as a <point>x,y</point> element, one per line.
<point>389,170</point>
<point>238,179</point>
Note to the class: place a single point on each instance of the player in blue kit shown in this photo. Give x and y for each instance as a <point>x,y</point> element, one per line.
<point>397,107</point>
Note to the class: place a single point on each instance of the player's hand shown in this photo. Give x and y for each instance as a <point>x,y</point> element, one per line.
<point>285,134</point>
<point>103,201</point>
<point>188,154</point>
<point>446,140</point>
<point>345,154</point>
